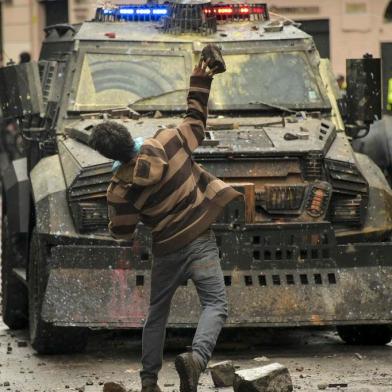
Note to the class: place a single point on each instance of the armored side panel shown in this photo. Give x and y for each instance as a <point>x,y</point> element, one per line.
<point>20,91</point>
<point>16,188</point>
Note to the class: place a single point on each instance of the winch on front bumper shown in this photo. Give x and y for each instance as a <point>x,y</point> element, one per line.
<point>275,275</point>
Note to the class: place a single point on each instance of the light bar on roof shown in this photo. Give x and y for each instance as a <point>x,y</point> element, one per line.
<point>184,13</point>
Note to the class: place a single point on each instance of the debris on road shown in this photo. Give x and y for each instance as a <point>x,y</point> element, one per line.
<point>158,114</point>
<point>113,387</point>
<point>333,385</point>
<point>359,356</point>
<point>272,378</point>
<point>222,374</point>
<point>133,370</point>
<point>261,359</point>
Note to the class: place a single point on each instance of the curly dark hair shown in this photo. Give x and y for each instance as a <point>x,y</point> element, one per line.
<point>113,141</point>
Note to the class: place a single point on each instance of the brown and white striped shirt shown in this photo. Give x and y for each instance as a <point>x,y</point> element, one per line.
<point>165,188</point>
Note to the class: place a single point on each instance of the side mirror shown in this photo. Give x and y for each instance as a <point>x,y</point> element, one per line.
<point>363,90</point>
<point>20,91</point>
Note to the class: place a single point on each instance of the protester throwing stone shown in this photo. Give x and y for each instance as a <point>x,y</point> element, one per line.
<point>161,185</point>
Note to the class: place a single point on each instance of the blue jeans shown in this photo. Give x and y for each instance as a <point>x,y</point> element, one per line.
<point>199,261</point>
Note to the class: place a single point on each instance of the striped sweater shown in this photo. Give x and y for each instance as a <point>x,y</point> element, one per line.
<point>165,188</point>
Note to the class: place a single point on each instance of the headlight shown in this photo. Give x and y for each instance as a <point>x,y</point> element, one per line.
<point>90,216</point>
<point>349,211</point>
<point>281,199</point>
<point>350,193</point>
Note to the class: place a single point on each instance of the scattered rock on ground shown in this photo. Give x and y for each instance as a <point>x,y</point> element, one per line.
<point>261,359</point>
<point>222,374</point>
<point>270,378</point>
<point>113,387</point>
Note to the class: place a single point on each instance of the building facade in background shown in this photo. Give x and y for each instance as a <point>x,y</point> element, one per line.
<point>341,28</point>
<point>23,22</point>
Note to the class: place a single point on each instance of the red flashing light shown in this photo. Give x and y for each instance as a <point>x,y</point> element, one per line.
<point>237,10</point>
<point>259,10</point>
<point>223,10</point>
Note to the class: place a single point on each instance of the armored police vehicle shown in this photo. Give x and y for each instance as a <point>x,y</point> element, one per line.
<point>308,245</point>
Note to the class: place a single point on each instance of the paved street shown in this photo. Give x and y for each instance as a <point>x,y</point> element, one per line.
<point>313,357</point>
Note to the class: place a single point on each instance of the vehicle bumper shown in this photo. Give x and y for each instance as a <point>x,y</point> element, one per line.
<point>276,275</point>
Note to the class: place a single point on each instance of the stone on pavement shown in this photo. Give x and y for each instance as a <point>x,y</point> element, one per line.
<point>270,378</point>
<point>113,387</point>
<point>222,374</point>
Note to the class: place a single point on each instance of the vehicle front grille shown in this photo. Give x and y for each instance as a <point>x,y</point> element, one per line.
<point>350,193</point>
<point>275,243</point>
<point>346,178</point>
<point>87,198</point>
<point>90,184</point>
<point>313,166</point>
<point>91,216</point>
<point>282,198</point>
<point>347,210</point>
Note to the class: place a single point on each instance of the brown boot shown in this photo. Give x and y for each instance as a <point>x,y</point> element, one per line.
<point>151,388</point>
<point>189,371</point>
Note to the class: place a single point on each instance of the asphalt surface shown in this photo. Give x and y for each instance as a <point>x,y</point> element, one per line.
<point>314,357</point>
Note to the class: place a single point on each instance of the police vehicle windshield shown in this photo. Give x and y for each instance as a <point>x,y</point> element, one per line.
<point>159,82</point>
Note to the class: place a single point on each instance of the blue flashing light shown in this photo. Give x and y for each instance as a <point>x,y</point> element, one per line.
<point>143,13</point>
<point>160,11</point>
<point>126,11</point>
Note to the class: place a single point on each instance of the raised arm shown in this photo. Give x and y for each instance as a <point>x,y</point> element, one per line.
<point>193,127</point>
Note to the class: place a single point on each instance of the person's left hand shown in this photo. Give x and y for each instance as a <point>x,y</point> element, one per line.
<point>201,69</point>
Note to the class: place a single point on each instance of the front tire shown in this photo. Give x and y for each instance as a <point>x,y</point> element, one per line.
<point>14,292</point>
<point>45,337</point>
<point>376,335</point>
